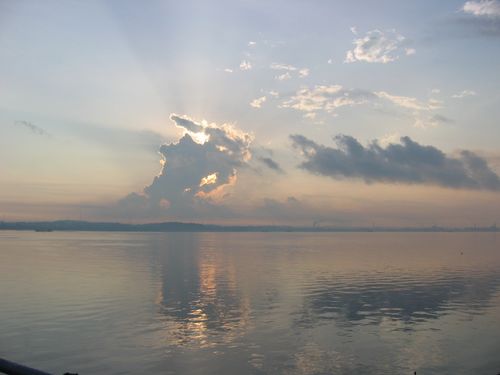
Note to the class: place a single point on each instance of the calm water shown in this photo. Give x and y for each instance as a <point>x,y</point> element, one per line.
<point>229,303</point>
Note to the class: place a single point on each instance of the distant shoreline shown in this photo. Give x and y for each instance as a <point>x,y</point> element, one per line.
<point>87,226</point>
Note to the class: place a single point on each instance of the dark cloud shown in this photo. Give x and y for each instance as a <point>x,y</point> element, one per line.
<point>407,162</point>
<point>476,19</point>
<point>271,164</point>
<point>32,127</point>
<point>186,123</point>
<point>198,170</point>
<point>477,26</point>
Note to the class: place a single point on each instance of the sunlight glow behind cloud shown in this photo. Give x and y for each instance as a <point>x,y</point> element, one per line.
<point>195,175</point>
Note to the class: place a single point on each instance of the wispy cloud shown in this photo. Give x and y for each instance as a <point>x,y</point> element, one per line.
<point>326,98</point>
<point>245,65</point>
<point>378,47</point>
<point>257,103</point>
<point>408,102</point>
<point>304,72</point>
<point>407,162</point>
<point>284,77</point>
<point>464,94</point>
<point>330,98</point>
<point>426,122</point>
<point>32,127</point>
<point>288,71</point>
<point>271,164</point>
<point>278,66</point>
<point>410,51</point>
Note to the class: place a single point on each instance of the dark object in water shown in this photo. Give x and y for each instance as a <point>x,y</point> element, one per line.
<point>44,230</point>
<point>12,368</point>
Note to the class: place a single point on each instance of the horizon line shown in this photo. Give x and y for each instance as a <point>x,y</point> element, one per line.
<point>180,226</point>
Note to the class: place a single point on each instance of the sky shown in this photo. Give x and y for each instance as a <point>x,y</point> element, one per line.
<point>318,112</point>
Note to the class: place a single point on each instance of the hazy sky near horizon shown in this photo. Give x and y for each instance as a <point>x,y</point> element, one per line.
<point>333,112</point>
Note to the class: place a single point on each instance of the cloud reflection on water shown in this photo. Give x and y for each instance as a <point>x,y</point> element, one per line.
<point>312,305</point>
<point>409,299</point>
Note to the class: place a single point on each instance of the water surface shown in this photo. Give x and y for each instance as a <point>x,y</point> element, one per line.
<point>251,303</point>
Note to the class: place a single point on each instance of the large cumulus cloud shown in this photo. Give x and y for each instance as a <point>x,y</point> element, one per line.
<point>197,172</point>
<point>406,162</point>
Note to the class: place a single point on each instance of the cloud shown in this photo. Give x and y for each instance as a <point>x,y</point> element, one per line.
<point>410,51</point>
<point>257,103</point>
<point>463,94</point>
<point>228,70</point>
<point>378,47</point>
<point>288,70</point>
<point>432,121</point>
<point>407,162</point>
<point>32,127</point>
<point>278,66</point>
<point>442,119</point>
<point>351,301</point>
<point>284,77</point>
<point>330,98</point>
<point>327,98</point>
<point>389,138</point>
<point>245,65</point>
<point>408,102</point>
<point>482,8</point>
<point>198,170</point>
<point>271,164</point>
<point>480,18</point>
<point>303,72</point>
<point>186,123</point>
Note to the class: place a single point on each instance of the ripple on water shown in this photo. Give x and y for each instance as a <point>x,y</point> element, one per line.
<point>249,303</point>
